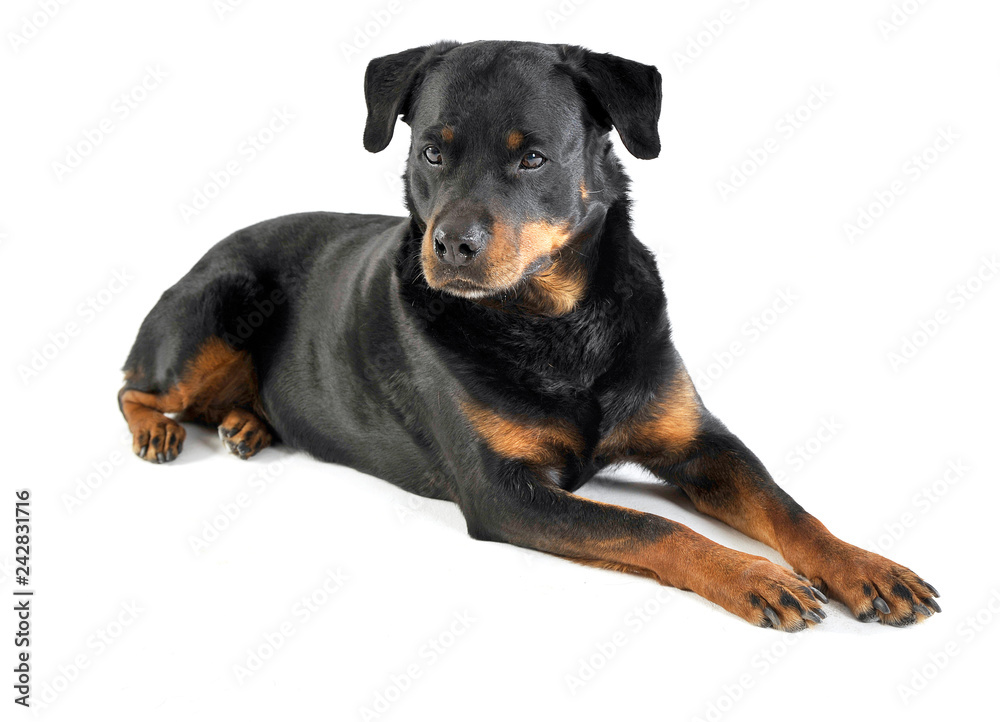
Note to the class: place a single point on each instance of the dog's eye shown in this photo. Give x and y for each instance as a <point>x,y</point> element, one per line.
<point>433,155</point>
<point>532,160</point>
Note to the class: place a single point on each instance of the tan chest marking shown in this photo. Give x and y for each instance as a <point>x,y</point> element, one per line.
<point>538,442</point>
<point>556,290</point>
<point>668,423</point>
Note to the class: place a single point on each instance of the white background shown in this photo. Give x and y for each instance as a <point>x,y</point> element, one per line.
<point>533,624</point>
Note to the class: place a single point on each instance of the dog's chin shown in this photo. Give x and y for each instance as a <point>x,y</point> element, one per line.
<point>457,284</point>
<point>467,289</point>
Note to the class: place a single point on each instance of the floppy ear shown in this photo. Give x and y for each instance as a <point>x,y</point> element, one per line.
<point>389,81</point>
<point>622,93</point>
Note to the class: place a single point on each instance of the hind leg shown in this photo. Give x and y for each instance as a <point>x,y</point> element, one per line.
<point>217,385</point>
<point>196,351</point>
<point>192,356</point>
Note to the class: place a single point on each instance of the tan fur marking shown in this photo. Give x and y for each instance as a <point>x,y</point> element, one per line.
<point>215,381</point>
<point>667,424</point>
<point>681,559</point>
<point>584,193</point>
<point>556,290</point>
<point>218,379</point>
<point>447,134</point>
<point>538,442</point>
<point>614,566</point>
<point>243,427</point>
<point>541,238</point>
<point>506,257</point>
<point>514,139</point>
<point>513,250</point>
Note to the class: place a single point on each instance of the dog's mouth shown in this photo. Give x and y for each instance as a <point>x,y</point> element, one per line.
<point>466,288</point>
<point>510,279</point>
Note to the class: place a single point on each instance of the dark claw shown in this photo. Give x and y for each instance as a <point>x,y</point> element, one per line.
<point>881,605</point>
<point>160,458</point>
<point>921,609</point>
<point>819,595</point>
<point>143,450</point>
<point>934,605</point>
<point>773,616</point>
<point>820,612</point>
<point>171,456</point>
<point>930,588</point>
<point>812,616</point>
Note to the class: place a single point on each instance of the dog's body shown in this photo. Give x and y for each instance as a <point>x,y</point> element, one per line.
<point>496,347</point>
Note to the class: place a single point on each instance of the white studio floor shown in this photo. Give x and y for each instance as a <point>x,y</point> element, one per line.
<point>806,292</point>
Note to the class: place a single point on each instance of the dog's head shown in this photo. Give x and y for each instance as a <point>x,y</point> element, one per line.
<point>508,152</point>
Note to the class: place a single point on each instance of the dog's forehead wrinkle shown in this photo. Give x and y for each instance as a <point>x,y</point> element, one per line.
<point>484,52</point>
<point>514,90</point>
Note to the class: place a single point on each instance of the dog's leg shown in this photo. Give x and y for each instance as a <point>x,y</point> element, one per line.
<point>681,443</point>
<point>243,433</point>
<point>520,506</point>
<point>192,357</point>
<point>217,385</point>
<point>155,436</point>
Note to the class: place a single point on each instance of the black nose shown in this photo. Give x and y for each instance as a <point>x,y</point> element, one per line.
<point>457,243</point>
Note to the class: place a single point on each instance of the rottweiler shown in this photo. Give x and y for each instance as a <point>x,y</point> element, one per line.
<point>498,345</point>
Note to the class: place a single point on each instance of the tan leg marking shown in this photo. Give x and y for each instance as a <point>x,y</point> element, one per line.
<point>217,380</point>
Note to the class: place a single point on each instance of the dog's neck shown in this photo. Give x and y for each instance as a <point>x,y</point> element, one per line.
<point>546,355</point>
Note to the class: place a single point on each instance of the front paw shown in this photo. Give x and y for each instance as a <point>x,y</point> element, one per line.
<point>874,588</point>
<point>768,595</point>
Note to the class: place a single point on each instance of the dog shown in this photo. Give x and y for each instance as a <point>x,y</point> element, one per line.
<point>498,345</point>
